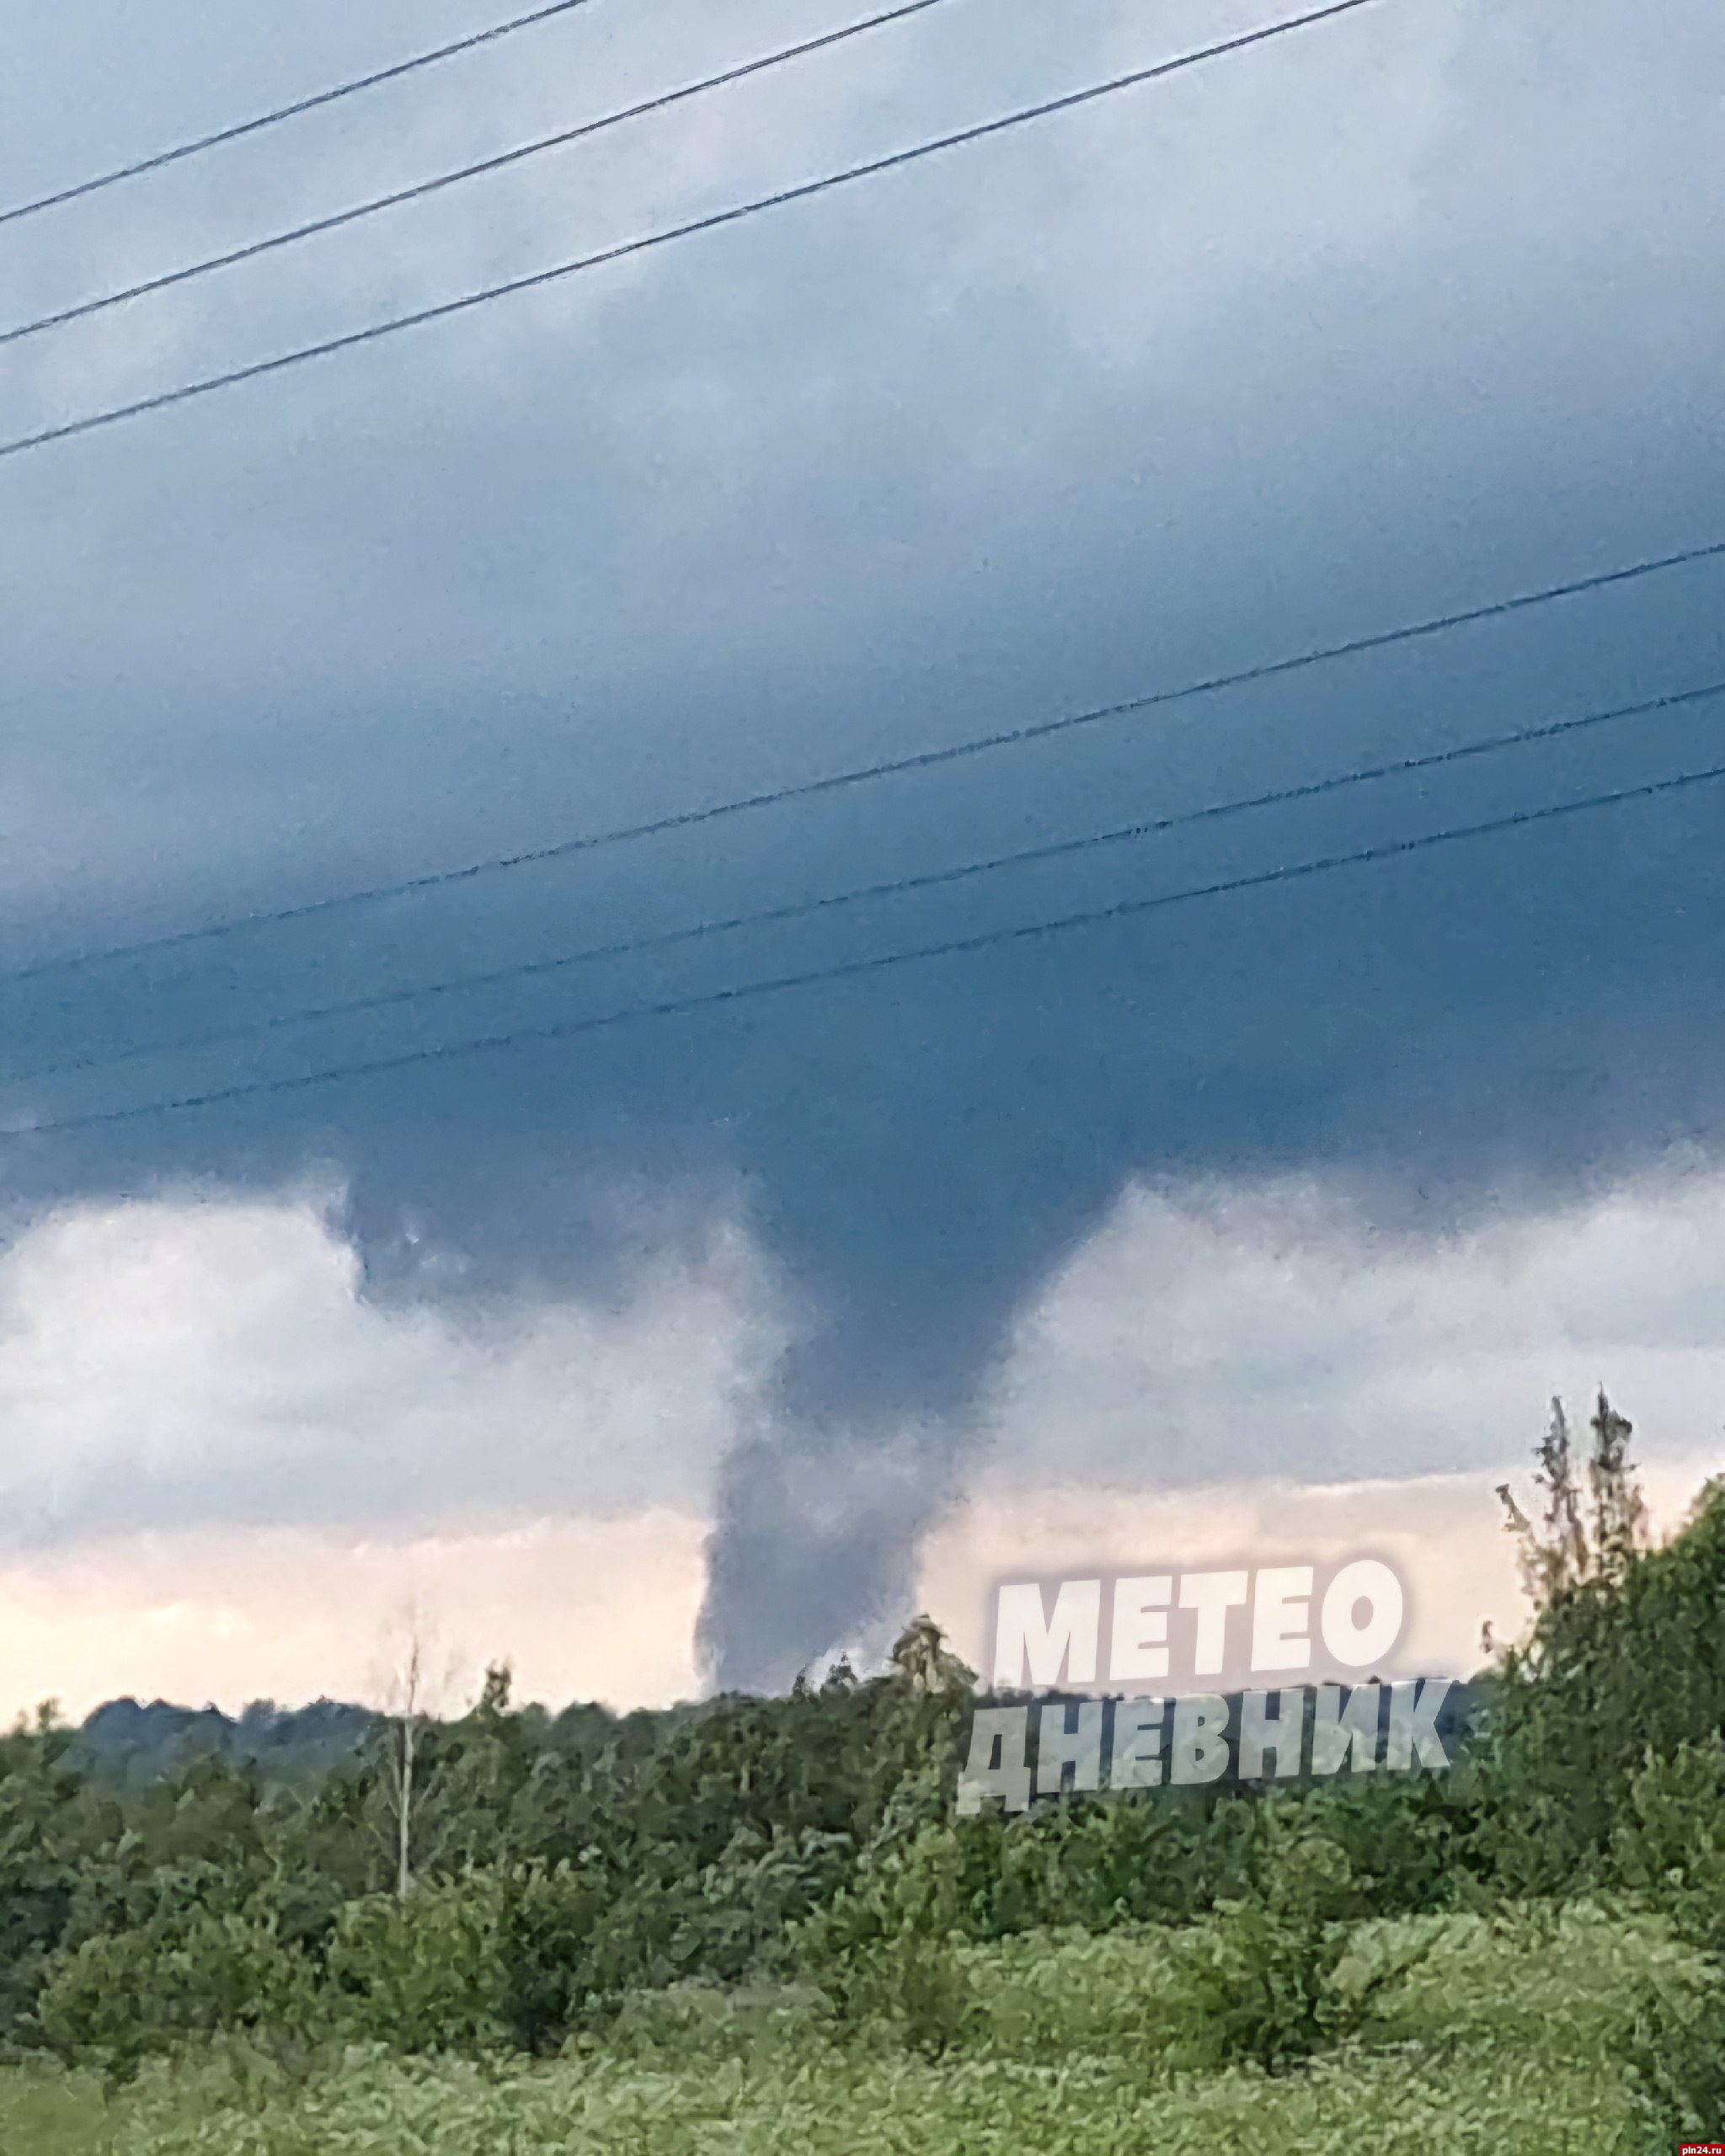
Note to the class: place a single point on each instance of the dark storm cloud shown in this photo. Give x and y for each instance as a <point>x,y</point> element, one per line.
<point>1420,311</point>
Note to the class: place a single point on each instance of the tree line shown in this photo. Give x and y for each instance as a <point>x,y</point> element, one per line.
<point>516,1880</point>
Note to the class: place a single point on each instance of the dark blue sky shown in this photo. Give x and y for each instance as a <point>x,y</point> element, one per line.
<point>1411,311</point>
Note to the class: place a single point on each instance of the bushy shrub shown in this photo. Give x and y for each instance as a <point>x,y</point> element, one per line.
<point>886,1950</point>
<point>1274,1975</point>
<point>122,1996</point>
<point>1627,1662</point>
<point>1409,1841</point>
<point>1108,1861</point>
<point>425,1974</point>
<point>550,1916</point>
<point>1670,1845</point>
<point>1675,2059</point>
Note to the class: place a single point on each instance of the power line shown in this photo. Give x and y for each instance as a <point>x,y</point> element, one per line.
<point>804,190</point>
<point>858,774</point>
<point>198,144</point>
<point>315,227</point>
<point>878,962</point>
<point>897,887</point>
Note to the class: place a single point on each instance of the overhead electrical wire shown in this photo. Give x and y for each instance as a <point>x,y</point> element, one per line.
<point>711,221</point>
<point>315,228</point>
<point>873,963</point>
<point>889,767</point>
<point>897,887</point>
<point>179,152</point>
<point>869,963</point>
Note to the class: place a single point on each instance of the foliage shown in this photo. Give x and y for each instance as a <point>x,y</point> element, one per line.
<point>886,1949</point>
<point>1627,1658</point>
<point>123,1995</point>
<point>1276,1973</point>
<point>428,1973</point>
<point>1670,1846</point>
<point>1675,2060</point>
<point>1492,2054</point>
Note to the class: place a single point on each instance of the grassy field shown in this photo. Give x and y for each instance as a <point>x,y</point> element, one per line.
<point>1499,2044</point>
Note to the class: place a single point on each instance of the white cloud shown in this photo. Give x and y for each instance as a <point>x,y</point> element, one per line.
<point>1276,1331</point>
<point>188,1358</point>
<point>1260,1375</point>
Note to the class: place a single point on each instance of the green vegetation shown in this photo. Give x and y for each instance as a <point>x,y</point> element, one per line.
<point>758,1923</point>
<point>1078,2044</point>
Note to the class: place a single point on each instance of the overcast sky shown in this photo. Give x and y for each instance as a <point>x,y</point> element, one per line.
<point>1401,313</point>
